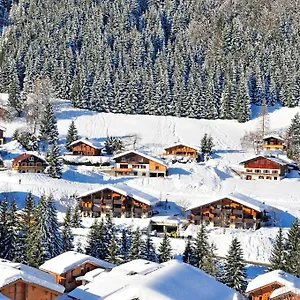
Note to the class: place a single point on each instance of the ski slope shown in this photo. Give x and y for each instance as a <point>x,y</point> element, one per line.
<point>187,184</point>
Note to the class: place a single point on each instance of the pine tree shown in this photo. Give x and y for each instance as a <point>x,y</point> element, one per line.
<point>76,218</point>
<point>79,248</point>
<point>135,246</point>
<point>55,163</point>
<point>24,229</point>
<point>277,254</point>
<point>292,249</point>
<point>4,245</point>
<point>67,236</point>
<point>72,135</point>
<point>148,249</point>
<point>165,249</point>
<point>12,228</point>
<point>113,250</point>
<point>234,274</point>
<point>206,146</point>
<point>124,245</point>
<point>188,252</point>
<point>293,137</point>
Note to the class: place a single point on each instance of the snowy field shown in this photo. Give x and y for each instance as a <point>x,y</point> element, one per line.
<point>187,184</point>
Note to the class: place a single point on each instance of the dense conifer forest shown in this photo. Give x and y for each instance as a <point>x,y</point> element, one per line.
<point>190,58</point>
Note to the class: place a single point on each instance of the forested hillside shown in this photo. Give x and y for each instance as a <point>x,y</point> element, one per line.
<point>191,58</point>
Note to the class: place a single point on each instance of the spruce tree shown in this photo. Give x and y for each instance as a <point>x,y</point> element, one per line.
<point>234,274</point>
<point>113,250</point>
<point>67,236</point>
<point>4,245</point>
<point>55,163</point>
<point>165,249</point>
<point>188,252</point>
<point>293,137</point>
<point>79,248</point>
<point>277,254</point>
<point>201,248</point>
<point>148,251</point>
<point>76,218</point>
<point>72,135</point>
<point>292,249</point>
<point>12,232</point>
<point>124,245</point>
<point>135,246</point>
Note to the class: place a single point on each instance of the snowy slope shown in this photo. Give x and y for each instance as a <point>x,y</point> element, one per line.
<point>188,184</point>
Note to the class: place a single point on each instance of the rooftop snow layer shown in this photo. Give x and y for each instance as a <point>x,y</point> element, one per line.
<point>273,136</point>
<point>10,272</point>
<point>125,190</point>
<point>279,276</point>
<point>155,159</point>
<point>274,159</point>
<point>284,290</point>
<point>239,198</point>
<point>182,144</point>
<point>87,142</point>
<point>70,260</point>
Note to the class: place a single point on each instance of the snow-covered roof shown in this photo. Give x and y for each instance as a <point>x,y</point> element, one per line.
<point>272,158</point>
<point>70,260</point>
<point>126,191</point>
<point>182,144</point>
<point>273,136</point>
<point>289,281</point>
<point>10,272</point>
<point>170,280</point>
<point>239,198</point>
<point>90,276</point>
<point>143,154</point>
<point>87,142</point>
<point>26,155</point>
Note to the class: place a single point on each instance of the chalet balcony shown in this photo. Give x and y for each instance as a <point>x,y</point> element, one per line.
<point>138,210</point>
<point>86,208</point>
<point>227,210</point>
<point>205,218</point>
<point>117,209</point>
<point>237,220</point>
<point>197,218</point>
<point>216,211</point>
<point>97,201</point>
<point>237,211</point>
<point>249,221</point>
<point>97,207</point>
<point>216,219</point>
<point>107,201</point>
<point>118,201</point>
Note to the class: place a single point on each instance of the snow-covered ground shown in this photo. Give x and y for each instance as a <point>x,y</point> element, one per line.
<point>187,184</point>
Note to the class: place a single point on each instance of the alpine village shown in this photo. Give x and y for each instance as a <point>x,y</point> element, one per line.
<point>149,149</point>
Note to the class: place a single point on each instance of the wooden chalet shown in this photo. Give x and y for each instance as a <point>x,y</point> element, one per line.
<point>21,282</point>
<point>182,150</point>
<point>85,148</point>
<point>2,130</point>
<point>29,163</point>
<point>233,211</point>
<point>275,285</point>
<point>273,142</point>
<point>70,265</point>
<point>135,163</point>
<point>264,167</point>
<point>117,200</point>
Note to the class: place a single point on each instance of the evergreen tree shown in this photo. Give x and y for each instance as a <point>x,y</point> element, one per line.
<point>277,254</point>
<point>124,245</point>
<point>135,246</point>
<point>4,223</point>
<point>293,137</point>
<point>165,249</point>
<point>55,163</point>
<point>113,250</point>
<point>76,218</point>
<point>67,236</point>
<point>48,128</point>
<point>292,249</point>
<point>79,248</point>
<point>72,135</point>
<point>12,231</point>
<point>234,274</point>
<point>148,249</point>
<point>206,146</point>
<point>188,252</point>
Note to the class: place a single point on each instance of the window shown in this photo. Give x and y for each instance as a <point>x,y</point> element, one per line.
<point>257,171</point>
<point>275,178</point>
<point>249,170</point>
<point>266,171</point>
<point>141,159</point>
<point>156,167</point>
<point>143,174</point>
<point>31,158</point>
<point>274,172</point>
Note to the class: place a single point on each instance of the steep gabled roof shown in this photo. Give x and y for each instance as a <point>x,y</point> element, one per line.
<point>182,144</point>
<point>24,156</point>
<point>273,136</point>
<point>271,158</point>
<point>126,191</point>
<point>70,260</point>
<point>289,281</point>
<point>11,272</point>
<point>239,198</point>
<point>155,159</point>
<point>87,142</point>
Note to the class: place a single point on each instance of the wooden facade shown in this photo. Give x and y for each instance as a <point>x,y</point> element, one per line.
<point>22,290</point>
<point>108,202</point>
<point>273,143</point>
<point>85,149</point>
<point>264,168</point>
<point>228,213</point>
<point>182,150</point>
<point>136,164</point>
<point>29,163</point>
<point>68,279</point>
<point>1,136</point>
